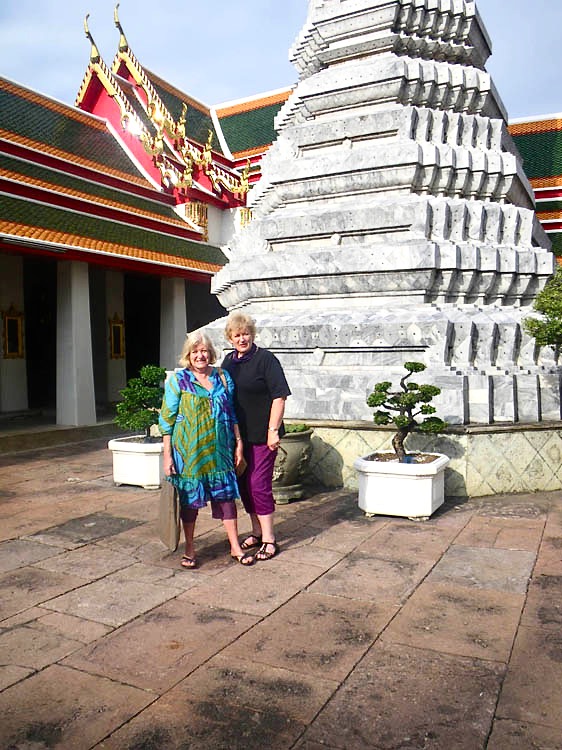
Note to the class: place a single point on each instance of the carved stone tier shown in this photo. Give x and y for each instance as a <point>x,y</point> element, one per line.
<point>393,221</point>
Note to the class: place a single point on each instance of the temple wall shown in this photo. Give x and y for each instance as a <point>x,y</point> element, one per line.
<point>485,460</point>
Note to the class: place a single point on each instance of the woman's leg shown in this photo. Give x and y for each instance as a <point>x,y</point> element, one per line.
<point>188,519</point>
<point>228,514</point>
<point>258,499</point>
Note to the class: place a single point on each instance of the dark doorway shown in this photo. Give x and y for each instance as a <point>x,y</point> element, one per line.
<point>142,322</point>
<point>40,299</point>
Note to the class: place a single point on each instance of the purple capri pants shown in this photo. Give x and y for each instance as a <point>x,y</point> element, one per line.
<point>222,511</point>
<point>255,483</point>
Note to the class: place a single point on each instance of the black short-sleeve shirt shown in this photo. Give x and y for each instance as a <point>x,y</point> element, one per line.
<point>258,381</point>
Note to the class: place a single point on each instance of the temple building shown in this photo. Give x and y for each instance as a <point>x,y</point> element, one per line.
<point>112,217</point>
<point>115,214</point>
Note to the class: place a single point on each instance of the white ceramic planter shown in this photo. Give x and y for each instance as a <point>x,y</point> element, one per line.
<point>411,490</point>
<point>137,463</point>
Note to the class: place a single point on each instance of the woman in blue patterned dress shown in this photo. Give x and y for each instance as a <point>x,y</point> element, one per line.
<point>202,443</point>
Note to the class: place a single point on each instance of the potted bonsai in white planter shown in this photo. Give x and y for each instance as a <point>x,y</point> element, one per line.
<point>137,459</point>
<point>400,483</point>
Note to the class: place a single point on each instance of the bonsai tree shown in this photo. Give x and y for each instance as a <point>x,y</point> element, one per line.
<point>142,399</point>
<point>547,330</point>
<point>403,407</point>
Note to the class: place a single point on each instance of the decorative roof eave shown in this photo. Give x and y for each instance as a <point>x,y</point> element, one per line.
<point>13,233</point>
<point>59,196</point>
<point>538,183</point>
<point>174,132</point>
<point>75,165</point>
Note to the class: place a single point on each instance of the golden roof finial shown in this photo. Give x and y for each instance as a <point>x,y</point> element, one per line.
<point>94,53</point>
<point>123,44</point>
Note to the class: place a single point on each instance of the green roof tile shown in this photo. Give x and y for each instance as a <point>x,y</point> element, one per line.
<point>197,124</point>
<point>541,153</point>
<point>251,129</point>
<point>68,222</point>
<point>31,120</point>
<point>93,189</point>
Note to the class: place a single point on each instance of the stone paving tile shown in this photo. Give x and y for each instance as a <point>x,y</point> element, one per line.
<point>10,674</point>
<point>400,697</point>
<point>26,587</point>
<point>178,721</point>
<point>513,735</point>
<point>497,569</point>
<point>372,579</point>
<point>502,533</point>
<point>261,687</point>
<point>160,648</point>
<point>88,562</point>
<point>458,620</point>
<point>85,710</point>
<point>19,552</point>
<point>76,628</point>
<point>83,530</point>
<point>29,647</point>
<point>258,589</point>
<point>531,690</point>
<point>346,629</point>
<point>113,600</point>
<point>543,607</point>
<point>550,553</point>
<point>423,540</point>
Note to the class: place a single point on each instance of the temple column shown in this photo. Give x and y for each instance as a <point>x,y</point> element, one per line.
<point>13,373</point>
<point>75,376</point>
<point>173,321</point>
<point>115,312</point>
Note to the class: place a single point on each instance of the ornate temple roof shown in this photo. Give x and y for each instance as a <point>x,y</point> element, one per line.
<point>539,141</point>
<point>89,198</point>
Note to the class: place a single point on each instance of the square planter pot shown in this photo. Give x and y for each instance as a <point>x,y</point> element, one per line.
<point>136,462</point>
<point>409,490</point>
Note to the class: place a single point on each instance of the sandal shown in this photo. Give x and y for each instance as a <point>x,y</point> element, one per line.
<point>263,554</point>
<point>250,542</point>
<point>245,559</point>
<point>188,562</point>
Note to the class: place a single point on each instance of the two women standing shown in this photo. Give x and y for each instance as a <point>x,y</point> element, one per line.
<point>213,420</point>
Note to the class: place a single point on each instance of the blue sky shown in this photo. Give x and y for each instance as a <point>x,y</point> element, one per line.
<point>221,50</point>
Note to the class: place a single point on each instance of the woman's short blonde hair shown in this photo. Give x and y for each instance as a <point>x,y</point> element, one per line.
<point>192,341</point>
<point>238,321</point>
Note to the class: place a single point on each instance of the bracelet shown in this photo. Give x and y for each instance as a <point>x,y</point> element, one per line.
<point>273,429</point>
<point>239,440</point>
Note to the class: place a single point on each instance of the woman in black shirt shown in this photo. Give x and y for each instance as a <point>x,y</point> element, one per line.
<point>259,400</point>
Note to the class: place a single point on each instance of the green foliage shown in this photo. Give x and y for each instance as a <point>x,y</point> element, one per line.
<point>403,408</point>
<point>141,400</point>
<point>300,427</point>
<point>547,330</point>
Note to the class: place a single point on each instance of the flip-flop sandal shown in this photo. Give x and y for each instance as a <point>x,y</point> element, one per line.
<point>190,563</point>
<point>263,554</point>
<point>247,559</point>
<point>250,542</point>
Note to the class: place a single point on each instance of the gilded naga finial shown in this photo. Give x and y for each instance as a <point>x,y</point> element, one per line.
<point>123,44</point>
<point>94,52</point>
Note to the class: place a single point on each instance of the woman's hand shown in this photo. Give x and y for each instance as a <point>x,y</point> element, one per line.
<point>167,460</point>
<point>238,453</point>
<point>168,466</point>
<point>273,440</point>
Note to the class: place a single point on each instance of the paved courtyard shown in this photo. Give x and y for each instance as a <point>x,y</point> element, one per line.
<point>364,633</point>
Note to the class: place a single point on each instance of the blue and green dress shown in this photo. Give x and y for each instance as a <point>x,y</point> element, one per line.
<point>201,426</point>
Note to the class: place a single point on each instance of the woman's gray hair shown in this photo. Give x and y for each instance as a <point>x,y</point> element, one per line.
<point>238,321</point>
<point>192,341</point>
